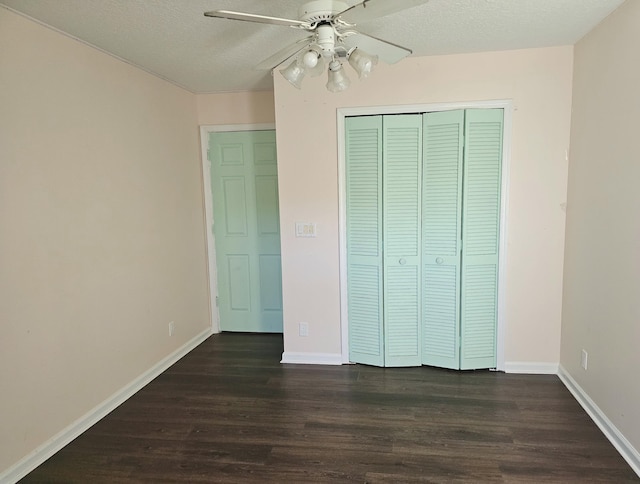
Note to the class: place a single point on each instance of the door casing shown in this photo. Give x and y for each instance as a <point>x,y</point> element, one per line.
<point>343,113</point>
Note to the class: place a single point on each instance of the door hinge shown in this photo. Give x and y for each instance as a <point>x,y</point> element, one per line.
<point>217,301</point>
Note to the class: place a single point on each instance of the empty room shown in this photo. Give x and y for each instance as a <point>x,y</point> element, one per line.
<point>319,241</point>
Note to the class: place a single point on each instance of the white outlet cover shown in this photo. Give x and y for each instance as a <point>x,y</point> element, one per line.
<point>584,359</point>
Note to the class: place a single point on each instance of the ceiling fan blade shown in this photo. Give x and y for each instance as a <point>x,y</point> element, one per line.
<point>373,9</point>
<point>284,54</point>
<point>386,51</point>
<point>250,17</point>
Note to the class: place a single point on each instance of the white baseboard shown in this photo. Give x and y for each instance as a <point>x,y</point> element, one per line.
<point>62,438</point>
<point>312,358</point>
<point>619,441</point>
<point>530,367</point>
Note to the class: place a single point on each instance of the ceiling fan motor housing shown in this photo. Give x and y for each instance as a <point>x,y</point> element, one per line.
<point>321,10</point>
<point>325,39</point>
<point>321,14</point>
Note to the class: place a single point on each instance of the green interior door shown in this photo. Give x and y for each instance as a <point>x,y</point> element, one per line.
<point>383,204</point>
<point>246,230</point>
<point>441,239</point>
<point>480,237</point>
<point>402,167</point>
<point>364,239</point>
<point>423,214</point>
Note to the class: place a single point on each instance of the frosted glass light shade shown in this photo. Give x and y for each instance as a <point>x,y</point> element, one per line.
<point>294,73</point>
<point>338,80</point>
<point>362,62</point>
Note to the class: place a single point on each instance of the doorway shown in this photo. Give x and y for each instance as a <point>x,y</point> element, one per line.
<point>245,269</point>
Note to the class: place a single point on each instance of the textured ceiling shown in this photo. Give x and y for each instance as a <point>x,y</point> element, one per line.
<point>173,40</point>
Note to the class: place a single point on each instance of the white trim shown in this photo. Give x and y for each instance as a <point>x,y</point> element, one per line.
<point>619,441</point>
<point>531,368</point>
<point>343,113</point>
<point>342,236</point>
<point>507,130</point>
<point>66,435</point>
<point>311,358</point>
<point>219,128</point>
<point>212,276</point>
<point>205,131</point>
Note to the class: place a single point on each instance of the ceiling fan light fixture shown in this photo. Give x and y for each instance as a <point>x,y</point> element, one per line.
<point>294,73</point>
<point>330,39</point>
<point>362,62</point>
<point>338,80</point>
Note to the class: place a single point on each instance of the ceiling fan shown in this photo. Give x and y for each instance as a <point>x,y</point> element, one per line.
<point>333,38</point>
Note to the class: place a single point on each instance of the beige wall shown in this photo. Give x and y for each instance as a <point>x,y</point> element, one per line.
<point>538,81</point>
<point>101,229</point>
<point>601,311</point>
<point>236,108</point>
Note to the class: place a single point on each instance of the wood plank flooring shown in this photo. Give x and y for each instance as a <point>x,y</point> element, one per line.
<point>230,412</point>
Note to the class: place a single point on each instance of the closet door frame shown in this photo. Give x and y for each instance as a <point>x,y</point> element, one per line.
<point>342,113</point>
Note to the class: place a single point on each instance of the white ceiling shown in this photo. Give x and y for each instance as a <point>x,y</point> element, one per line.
<point>173,39</point>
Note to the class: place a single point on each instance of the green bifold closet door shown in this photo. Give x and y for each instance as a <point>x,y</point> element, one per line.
<point>423,211</point>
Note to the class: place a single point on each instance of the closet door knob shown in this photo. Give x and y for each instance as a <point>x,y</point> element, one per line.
<point>439,260</point>
<point>402,262</point>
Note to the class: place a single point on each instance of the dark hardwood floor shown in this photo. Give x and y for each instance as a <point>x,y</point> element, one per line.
<point>230,412</point>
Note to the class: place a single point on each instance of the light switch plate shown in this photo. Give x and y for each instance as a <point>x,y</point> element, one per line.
<point>305,229</point>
